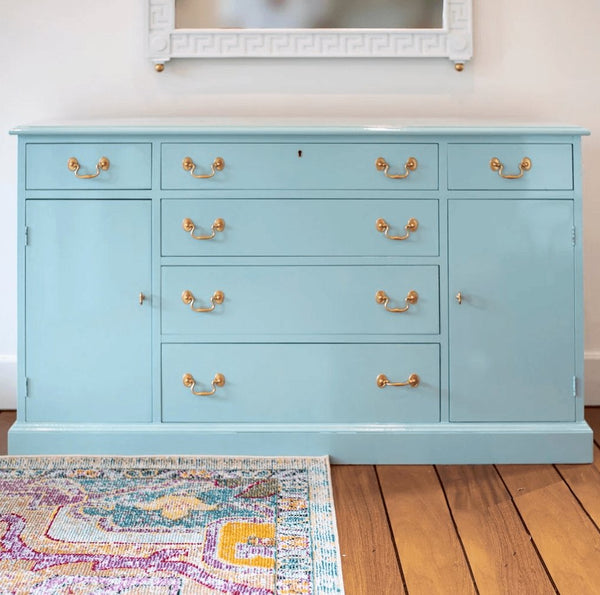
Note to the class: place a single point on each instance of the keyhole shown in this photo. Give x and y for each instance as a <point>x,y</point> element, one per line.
<point>299,153</point>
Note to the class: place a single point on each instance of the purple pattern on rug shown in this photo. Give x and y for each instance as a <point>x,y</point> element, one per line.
<point>14,548</point>
<point>44,493</point>
<point>107,584</point>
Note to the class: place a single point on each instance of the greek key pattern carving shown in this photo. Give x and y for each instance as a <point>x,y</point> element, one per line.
<point>165,42</point>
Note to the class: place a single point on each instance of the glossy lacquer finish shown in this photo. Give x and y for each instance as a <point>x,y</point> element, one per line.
<point>513,354</point>
<point>299,165</point>
<point>469,166</point>
<point>378,294</point>
<point>261,386</point>
<point>300,227</point>
<point>88,338</point>
<point>129,166</point>
<point>300,300</point>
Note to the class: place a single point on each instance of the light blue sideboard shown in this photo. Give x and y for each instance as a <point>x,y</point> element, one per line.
<point>380,294</point>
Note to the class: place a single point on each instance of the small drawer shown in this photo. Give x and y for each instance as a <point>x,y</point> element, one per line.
<point>301,227</point>
<point>314,383</point>
<point>549,166</point>
<point>124,166</point>
<point>301,165</point>
<point>300,300</point>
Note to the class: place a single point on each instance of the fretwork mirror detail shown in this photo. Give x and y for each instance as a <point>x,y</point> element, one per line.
<point>309,29</point>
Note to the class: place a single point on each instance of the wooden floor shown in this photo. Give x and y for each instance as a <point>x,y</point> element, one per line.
<point>511,529</point>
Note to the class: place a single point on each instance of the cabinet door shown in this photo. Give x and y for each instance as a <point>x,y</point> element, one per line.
<point>512,337</point>
<point>87,350</point>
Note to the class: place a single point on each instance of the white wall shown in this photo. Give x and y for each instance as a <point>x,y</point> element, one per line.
<point>535,62</point>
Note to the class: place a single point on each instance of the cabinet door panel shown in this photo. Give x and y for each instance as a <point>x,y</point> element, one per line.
<point>512,338</point>
<point>88,338</point>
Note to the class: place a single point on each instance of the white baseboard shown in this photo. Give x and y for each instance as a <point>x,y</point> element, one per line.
<point>8,381</point>
<point>592,377</point>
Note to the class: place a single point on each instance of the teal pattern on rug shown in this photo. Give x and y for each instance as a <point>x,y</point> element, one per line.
<point>167,525</point>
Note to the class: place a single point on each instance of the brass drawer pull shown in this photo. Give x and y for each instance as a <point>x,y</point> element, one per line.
<point>381,297</point>
<point>102,165</point>
<point>459,297</point>
<point>190,382</point>
<point>217,165</point>
<point>413,381</point>
<point>383,226</point>
<point>187,297</point>
<point>382,165</point>
<point>497,165</point>
<point>189,226</point>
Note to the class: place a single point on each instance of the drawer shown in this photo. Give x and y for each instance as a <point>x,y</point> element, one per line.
<point>551,166</point>
<point>300,383</point>
<point>300,227</point>
<point>298,165</point>
<point>300,300</point>
<point>129,166</point>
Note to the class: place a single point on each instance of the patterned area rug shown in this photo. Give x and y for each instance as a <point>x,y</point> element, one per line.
<point>167,525</point>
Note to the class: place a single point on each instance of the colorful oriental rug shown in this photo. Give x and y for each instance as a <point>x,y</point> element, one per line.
<point>167,526</point>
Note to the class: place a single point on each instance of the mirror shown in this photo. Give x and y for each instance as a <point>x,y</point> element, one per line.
<point>309,29</point>
<point>308,14</point>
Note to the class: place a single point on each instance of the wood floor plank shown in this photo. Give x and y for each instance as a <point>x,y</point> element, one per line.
<point>425,536</point>
<point>369,561</point>
<point>499,549</point>
<point>584,481</point>
<point>592,416</point>
<point>566,538</point>
<point>7,419</point>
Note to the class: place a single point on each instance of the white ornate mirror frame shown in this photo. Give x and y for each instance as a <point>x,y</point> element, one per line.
<point>453,40</point>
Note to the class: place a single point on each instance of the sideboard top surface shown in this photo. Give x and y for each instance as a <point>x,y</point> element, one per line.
<point>296,126</point>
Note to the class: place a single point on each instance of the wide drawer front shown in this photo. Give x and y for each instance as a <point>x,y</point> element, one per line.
<point>497,166</point>
<point>296,383</point>
<point>298,300</point>
<point>298,165</point>
<point>98,166</point>
<point>300,227</point>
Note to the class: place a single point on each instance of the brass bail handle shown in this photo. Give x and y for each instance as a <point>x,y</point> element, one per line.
<point>190,382</point>
<point>73,165</point>
<point>217,165</point>
<point>189,226</point>
<point>383,226</point>
<point>498,166</point>
<point>382,381</point>
<point>382,165</point>
<point>381,297</point>
<point>187,297</point>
